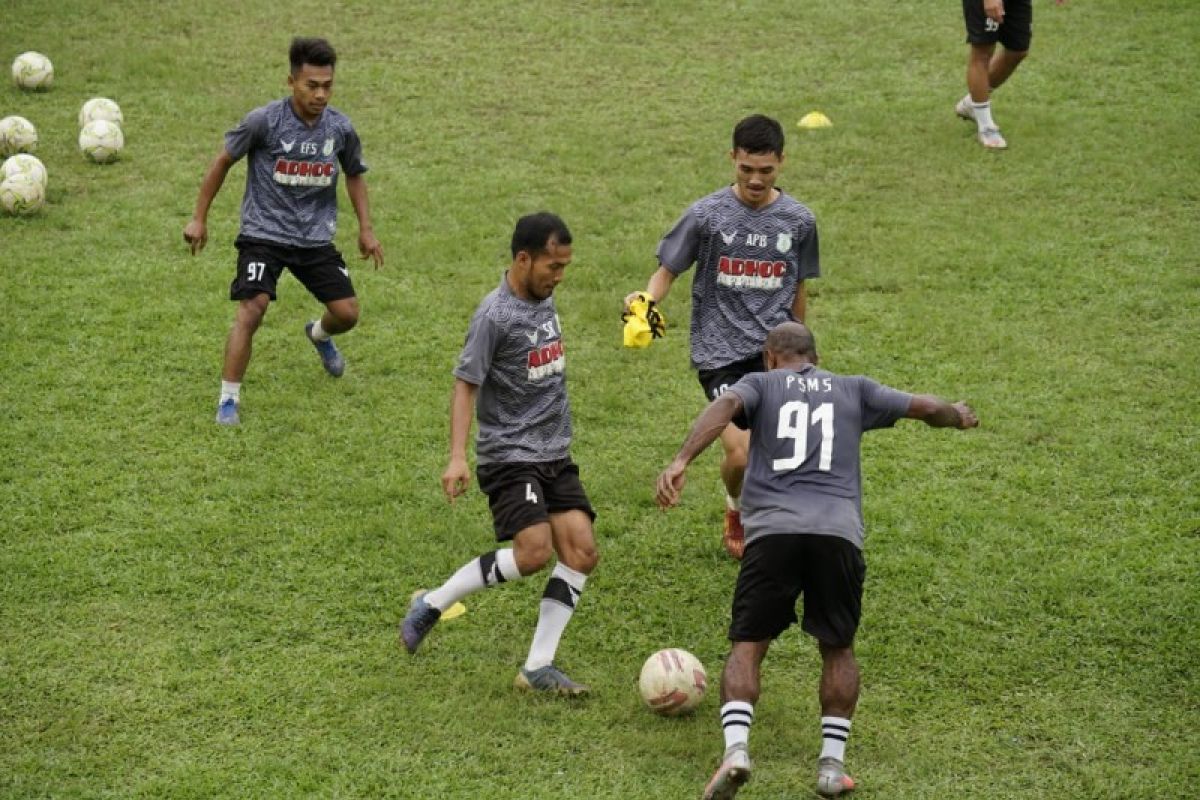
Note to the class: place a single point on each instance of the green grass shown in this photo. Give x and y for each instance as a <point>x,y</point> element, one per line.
<point>190,612</point>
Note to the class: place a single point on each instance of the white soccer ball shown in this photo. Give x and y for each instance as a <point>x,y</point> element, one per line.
<point>100,108</point>
<point>672,682</point>
<point>21,194</point>
<point>32,71</point>
<point>17,135</point>
<point>24,164</point>
<point>101,141</point>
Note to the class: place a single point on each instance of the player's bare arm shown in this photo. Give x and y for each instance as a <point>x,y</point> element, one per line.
<point>658,287</point>
<point>800,302</point>
<point>368,245</point>
<point>195,233</point>
<point>457,476</point>
<point>938,413</point>
<point>706,430</point>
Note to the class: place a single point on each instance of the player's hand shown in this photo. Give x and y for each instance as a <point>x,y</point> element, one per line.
<point>629,298</point>
<point>994,9</point>
<point>670,485</point>
<point>369,247</point>
<point>456,478</point>
<point>196,235</point>
<point>966,415</point>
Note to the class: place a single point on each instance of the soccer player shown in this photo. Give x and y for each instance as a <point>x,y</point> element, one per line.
<point>754,246</point>
<point>297,147</point>
<point>802,507</point>
<point>1009,22</point>
<point>511,373</point>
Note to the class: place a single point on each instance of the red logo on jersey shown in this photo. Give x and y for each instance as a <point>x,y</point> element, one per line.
<point>547,360</point>
<point>751,273</point>
<point>304,173</point>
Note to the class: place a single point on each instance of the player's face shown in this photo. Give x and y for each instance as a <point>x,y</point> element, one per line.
<point>546,269</point>
<point>311,87</point>
<point>754,176</point>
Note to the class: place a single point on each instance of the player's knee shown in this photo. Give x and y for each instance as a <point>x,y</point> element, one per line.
<point>582,559</point>
<point>532,556</point>
<point>250,312</point>
<point>1017,56</point>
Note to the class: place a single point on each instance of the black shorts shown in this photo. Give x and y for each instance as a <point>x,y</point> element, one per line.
<point>525,494</point>
<point>716,381</point>
<point>321,269</point>
<point>777,569</point>
<point>1014,33</point>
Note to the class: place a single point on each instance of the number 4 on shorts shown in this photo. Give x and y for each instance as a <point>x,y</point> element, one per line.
<point>530,494</point>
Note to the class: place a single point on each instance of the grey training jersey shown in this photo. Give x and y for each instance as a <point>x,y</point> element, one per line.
<point>292,172</point>
<point>514,354</point>
<point>748,265</point>
<point>803,471</point>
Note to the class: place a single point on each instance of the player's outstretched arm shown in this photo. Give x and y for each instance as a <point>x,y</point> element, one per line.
<point>368,245</point>
<point>938,413</point>
<point>707,428</point>
<point>457,476</point>
<point>658,287</point>
<point>195,233</point>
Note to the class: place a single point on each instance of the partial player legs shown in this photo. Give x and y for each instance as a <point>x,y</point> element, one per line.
<point>1003,64</point>
<point>739,692</point>
<point>238,347</point>
<point>339,317</point>
<point>839,697</point>
<point>736,445</point>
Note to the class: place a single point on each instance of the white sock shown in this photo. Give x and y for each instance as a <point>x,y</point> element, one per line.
<point>733,503</point>
<point>557,606</point>
<point>318,333</point>
<point>736,716</point>
<point>231,390</point>
<point>834,733</point>
<point>490,569</point>
<point>983,115</point>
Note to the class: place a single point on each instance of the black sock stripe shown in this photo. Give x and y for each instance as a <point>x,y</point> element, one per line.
<point>560,591</point>
<point>833,726</point>
<point>736,715</point>
<point>837,736</point>
<point>490,570</point>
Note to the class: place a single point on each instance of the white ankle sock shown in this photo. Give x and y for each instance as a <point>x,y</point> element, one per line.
<point>318,333</point>
<point>983,115</point>
<point>554,612</point>
<point>736,716</point>
<point>834,733</point>
<point>231,389</point>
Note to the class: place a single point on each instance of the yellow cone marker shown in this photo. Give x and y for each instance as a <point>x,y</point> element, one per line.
<point>815,119</point>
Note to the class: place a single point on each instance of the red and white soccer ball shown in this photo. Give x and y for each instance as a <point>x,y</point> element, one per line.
<point>672,682</point>
<point>32,70</point>
<point>101,141</point>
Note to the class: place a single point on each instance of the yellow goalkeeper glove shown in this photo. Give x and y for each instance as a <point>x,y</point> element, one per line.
<point>643,322</point>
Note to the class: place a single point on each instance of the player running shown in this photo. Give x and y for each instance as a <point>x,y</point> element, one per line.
<point>296,146</point>
<point>511,374</point>
<point>802,506</point>
<point>754,246</point>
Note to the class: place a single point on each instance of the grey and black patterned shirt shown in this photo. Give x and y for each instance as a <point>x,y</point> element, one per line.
<point>514,354</point>
<point>749,263</point>
<point>803,472</point>
<point>292,172</point>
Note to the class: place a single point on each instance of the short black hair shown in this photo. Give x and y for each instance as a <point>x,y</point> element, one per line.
<point>757,134</point>
<point>791,339</point>
<point>533,233</point>
<point>315,51</point>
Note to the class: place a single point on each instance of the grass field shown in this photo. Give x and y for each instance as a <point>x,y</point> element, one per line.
<point>194,612</point>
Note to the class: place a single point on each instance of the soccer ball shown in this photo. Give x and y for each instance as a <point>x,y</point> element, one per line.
<point>21,194</point>
<point>17,135</point>
<point>100,108</point>
<point>101,141</point>
<point>672,682</point>
<point>24,164</point>
<point>32,71</point>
